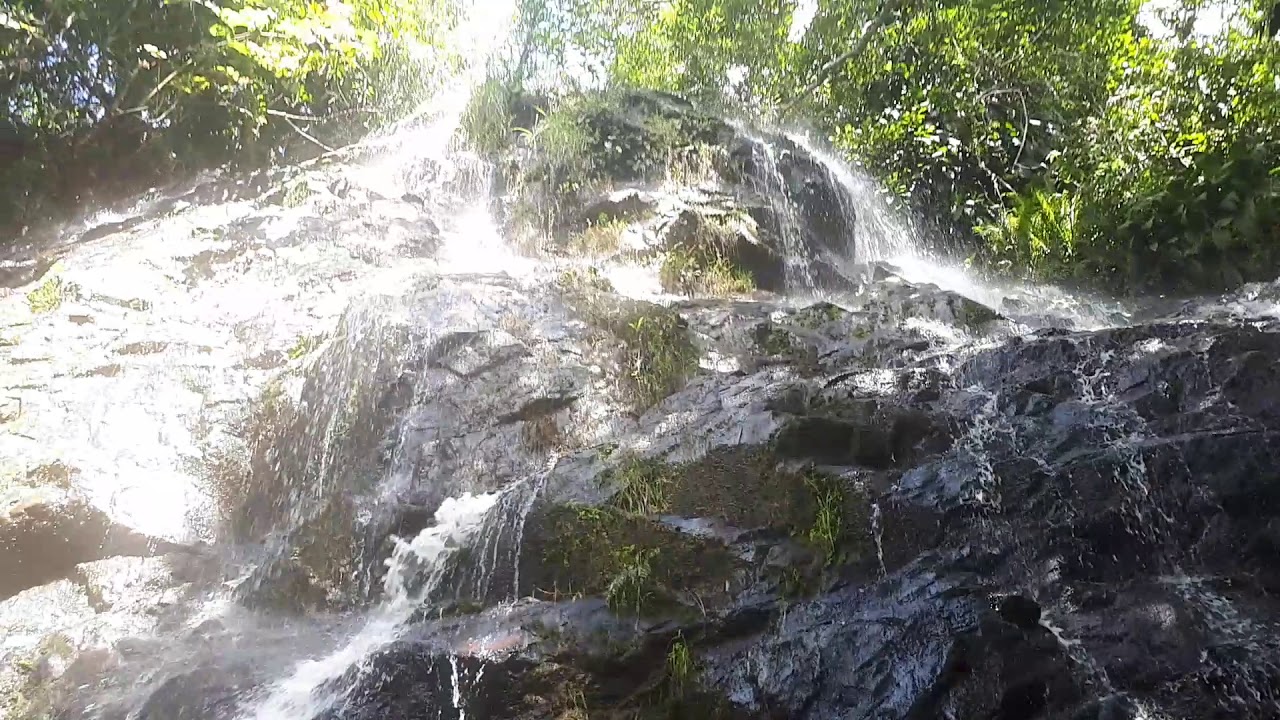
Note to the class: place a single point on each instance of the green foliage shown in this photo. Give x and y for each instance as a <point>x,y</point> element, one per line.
<point>703,270</point>
<point>1060,139</point>
<point>774,340</point>
<point>632,586</point>
<point>106,95</point>
<point>487,122</point>
<point>48,295</point>
<point>658,355</point>
<point>643,486</point>
<point>682,668</point>
<point>601,237</point>
<point>1037,234</point>
<point>827,532</point>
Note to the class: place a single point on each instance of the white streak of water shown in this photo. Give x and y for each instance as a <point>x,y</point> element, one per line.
<point>413,572</point>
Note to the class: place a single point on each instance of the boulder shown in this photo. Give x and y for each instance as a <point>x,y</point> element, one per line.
<point>46,532</point>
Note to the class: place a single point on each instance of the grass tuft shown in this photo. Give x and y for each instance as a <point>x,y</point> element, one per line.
<point>704,271</point>
<point>486,122</point>
<point>644,486</point>
<point>659,355</point>
<point>826,533</point>
<point>601,237</point>
<point>584,281</point>
<point>296,194</point>
<point>681,668</point>
<point>632,586</point>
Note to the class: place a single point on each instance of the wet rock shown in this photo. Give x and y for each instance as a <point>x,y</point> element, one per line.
<point>1021,611</point>
<point>45,532</point>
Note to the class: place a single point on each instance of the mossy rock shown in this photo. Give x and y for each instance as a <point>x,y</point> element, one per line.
<point>711,254</point>
<point>748,488</point>
<point>639,564</point>
<point>654,352</point>
<point>818,315</point>
<point>591,143</point>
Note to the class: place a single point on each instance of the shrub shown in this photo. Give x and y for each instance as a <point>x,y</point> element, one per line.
<point>631,587</point>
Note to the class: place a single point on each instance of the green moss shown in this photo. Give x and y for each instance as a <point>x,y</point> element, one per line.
<point>638,565</point>
<point>817,315</point>
<point>773,340</point>
<point>748,488</point>
<point>48,296</point>
<point>658,355</point>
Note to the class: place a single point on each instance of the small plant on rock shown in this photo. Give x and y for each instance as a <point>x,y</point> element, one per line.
<point>305,345</point>
<point>631,588</point>
<point>601,237</point>
<point>644,486</point>
<point>827,530</point>
<point>660,357</point>
<point>703,271</point>
<point>48,296</point>
<point>587,280</point>
<point>681,668</point>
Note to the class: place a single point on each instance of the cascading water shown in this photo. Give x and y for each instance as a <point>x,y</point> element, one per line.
<point>772,185</point>
<point>413,574</point>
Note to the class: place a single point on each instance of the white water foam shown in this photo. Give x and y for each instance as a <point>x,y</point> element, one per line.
<point>414,571</point>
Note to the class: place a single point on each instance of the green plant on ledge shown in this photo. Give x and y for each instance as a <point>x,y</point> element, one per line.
<point>643,485</point>
<point>49,295</point>
<point>659,356</point>
<point>681,668</point>
<point>826,533</point>
<point>703,271</point>
<point>632,586</point>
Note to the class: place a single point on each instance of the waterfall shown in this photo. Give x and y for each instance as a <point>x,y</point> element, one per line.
<point>413,574</point>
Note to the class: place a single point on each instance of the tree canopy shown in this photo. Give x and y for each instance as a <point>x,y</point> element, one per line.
<point>131,89</point>
<point>1117,142</point>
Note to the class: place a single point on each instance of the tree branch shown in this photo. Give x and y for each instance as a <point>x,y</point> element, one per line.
<point>868,31</point>
<point>304,134</point>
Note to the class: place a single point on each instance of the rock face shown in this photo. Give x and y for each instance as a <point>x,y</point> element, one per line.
<point>903,502</point>
<point>655,176</point>
<point>46,532</point>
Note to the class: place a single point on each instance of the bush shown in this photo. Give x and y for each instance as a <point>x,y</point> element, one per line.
<point>643,486</point>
